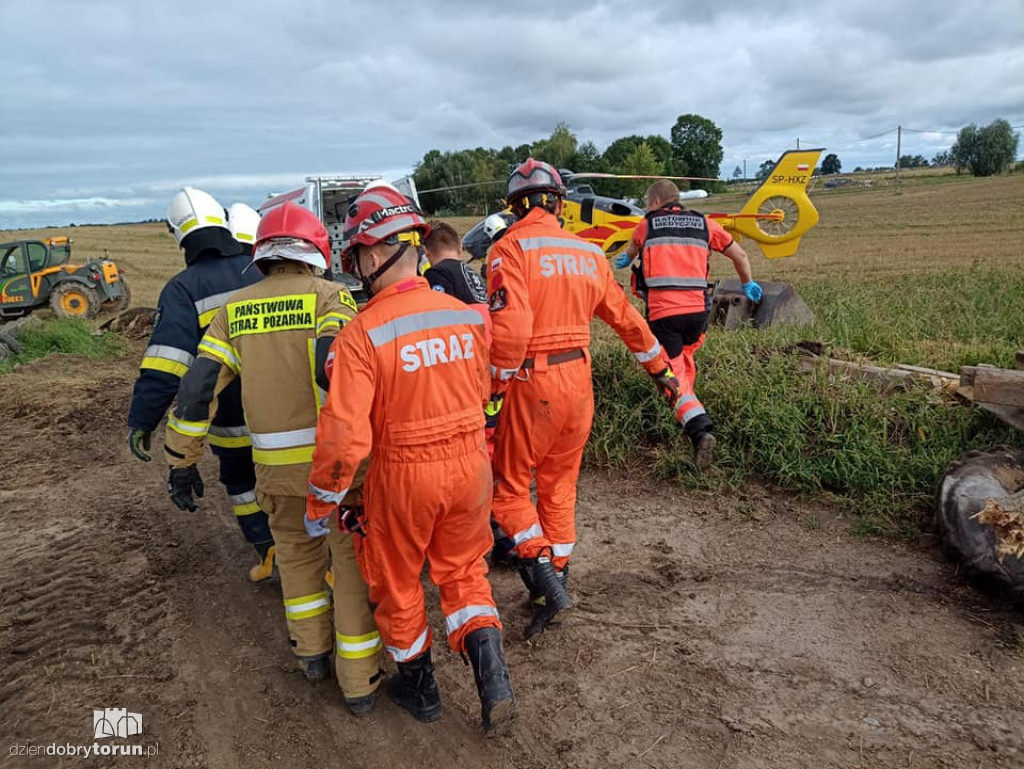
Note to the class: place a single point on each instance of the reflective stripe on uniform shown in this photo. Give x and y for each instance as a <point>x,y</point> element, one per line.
<point>222,351</point>
<point>533,244</point>
<point>533,532</point>
<point>331,320</point>
<point>189,428</point>
<point>244,503</point>
<point>422,321</point>
<point>646,357</point>
<point>331,497</point>
<point>306,606</point>
<point>171,360</point>
<point>355,647</point>
<point>672,281</point>
<point>404,655</point>
<point>207,308</point>
<point>562,549</point>
<point>688,407</point>
<point>229,437</point>
<point>457,619</point>
<point>319,394</point>
<point>668,241</point>
<point>290,447</point>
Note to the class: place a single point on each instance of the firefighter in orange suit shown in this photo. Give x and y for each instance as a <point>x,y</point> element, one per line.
<point>276,335</point>
<point>409,380</point>
<point>544,287</point>
<point>674,246</point>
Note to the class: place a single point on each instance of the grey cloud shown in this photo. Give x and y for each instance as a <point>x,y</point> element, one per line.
<point>230,92</point>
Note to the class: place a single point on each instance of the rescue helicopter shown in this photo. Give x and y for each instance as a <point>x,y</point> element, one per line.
<point>776,216</point>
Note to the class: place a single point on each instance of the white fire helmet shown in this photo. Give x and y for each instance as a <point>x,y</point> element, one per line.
<point>192,210</point>
<point>494,225</point>
<point>243,221</point>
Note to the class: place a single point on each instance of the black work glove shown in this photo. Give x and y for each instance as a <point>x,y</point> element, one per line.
<point>350,520</point>
<point>668,386</point>
<point>139,442</point>
<point>182,484</point>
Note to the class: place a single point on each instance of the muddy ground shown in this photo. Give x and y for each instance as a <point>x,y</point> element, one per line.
<point>748,630</point>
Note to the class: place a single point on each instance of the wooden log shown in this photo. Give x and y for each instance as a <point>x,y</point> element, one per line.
<point>898,378</point>
<point>1018,360</point>
<point>1002,387</point>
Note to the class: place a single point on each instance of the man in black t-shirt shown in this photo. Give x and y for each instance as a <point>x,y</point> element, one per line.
<point>448,273</point>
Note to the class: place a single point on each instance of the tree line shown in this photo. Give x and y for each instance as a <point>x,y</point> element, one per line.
<point>693,148</point>
<point>984,151</point>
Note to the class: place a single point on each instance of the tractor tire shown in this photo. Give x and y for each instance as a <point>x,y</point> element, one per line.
<point>74,300</point>
<point>121,303</point>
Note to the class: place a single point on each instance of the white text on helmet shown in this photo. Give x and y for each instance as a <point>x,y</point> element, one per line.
<point>568,264</point>
<point>430,352</point>
<point>384,213</point>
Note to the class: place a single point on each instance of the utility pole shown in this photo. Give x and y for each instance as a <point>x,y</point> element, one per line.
<point>744,169</point>
<point>798,142</point>
<point>899,139</point>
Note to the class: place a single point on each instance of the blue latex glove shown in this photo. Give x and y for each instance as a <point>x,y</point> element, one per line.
<point>317,527</point>
<point>622,260</point>
<point>752,291</point>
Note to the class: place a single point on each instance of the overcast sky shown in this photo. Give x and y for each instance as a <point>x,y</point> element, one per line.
<point>109,107</point>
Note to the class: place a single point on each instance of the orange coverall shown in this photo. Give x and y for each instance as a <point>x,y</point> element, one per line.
<point>545,286</point>
<point>411,382</point>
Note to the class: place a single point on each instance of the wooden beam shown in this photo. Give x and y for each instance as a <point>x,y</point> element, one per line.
<point>999,387</point>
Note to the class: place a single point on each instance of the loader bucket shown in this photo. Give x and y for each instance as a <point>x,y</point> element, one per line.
<point>780,305</point>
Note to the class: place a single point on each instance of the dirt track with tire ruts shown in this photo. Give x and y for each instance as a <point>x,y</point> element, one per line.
<point>745,630</point>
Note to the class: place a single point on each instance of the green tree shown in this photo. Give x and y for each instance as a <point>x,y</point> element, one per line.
<point>764,170</point>
<point>558,149</point>
<point>831,164</point>
<point>944,158</point>
<point>640,162</point>
<point>587,158</point>
<point>985,151</point>
<point>737,172</point>
<point>696,148</point>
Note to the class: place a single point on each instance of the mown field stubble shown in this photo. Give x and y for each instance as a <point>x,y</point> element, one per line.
<point>723,621</point>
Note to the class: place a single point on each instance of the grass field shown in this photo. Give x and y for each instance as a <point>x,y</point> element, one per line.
<point>932,276</point>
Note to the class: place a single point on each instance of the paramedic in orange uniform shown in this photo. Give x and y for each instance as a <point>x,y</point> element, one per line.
<point>545,285</point>
<point>674,245</point>
<point>409,378</point>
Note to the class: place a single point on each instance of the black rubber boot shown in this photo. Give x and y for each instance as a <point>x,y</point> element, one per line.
<point>483,647</point>
<point>504,551</point>
<point>544,607</point>
<point>699,429</point>
<point>316,668</point>
<point>361,706</point>
<point>414,688</point>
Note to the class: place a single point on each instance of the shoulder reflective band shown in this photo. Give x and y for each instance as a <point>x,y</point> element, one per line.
<point>291,447</point>
<point>535,244</point>
<point>306,606</point>
<point>222,352</point>
<point>404,655</point>
<point>207,308</point>
<point>457,619</point>
<point>331,321</point>
<point>185,427</point>
<point>229,437</point>
<point>244,503</point>
<point>270,314</point>
<point>355,647</point>
<point>422,321</point>
<point>647,357</point>
<point>170,360</point>
<point>668,281</point>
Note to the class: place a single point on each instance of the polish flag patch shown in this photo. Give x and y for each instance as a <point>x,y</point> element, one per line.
<point>803,167</point>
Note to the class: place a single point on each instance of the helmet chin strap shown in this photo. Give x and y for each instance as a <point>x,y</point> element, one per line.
<point>369,280</point>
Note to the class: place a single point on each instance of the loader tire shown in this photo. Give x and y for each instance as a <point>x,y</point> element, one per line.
<point>74,300</point>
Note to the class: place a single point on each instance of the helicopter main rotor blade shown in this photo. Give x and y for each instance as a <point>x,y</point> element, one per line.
<point>600,175</point>
<point>462,186</point>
